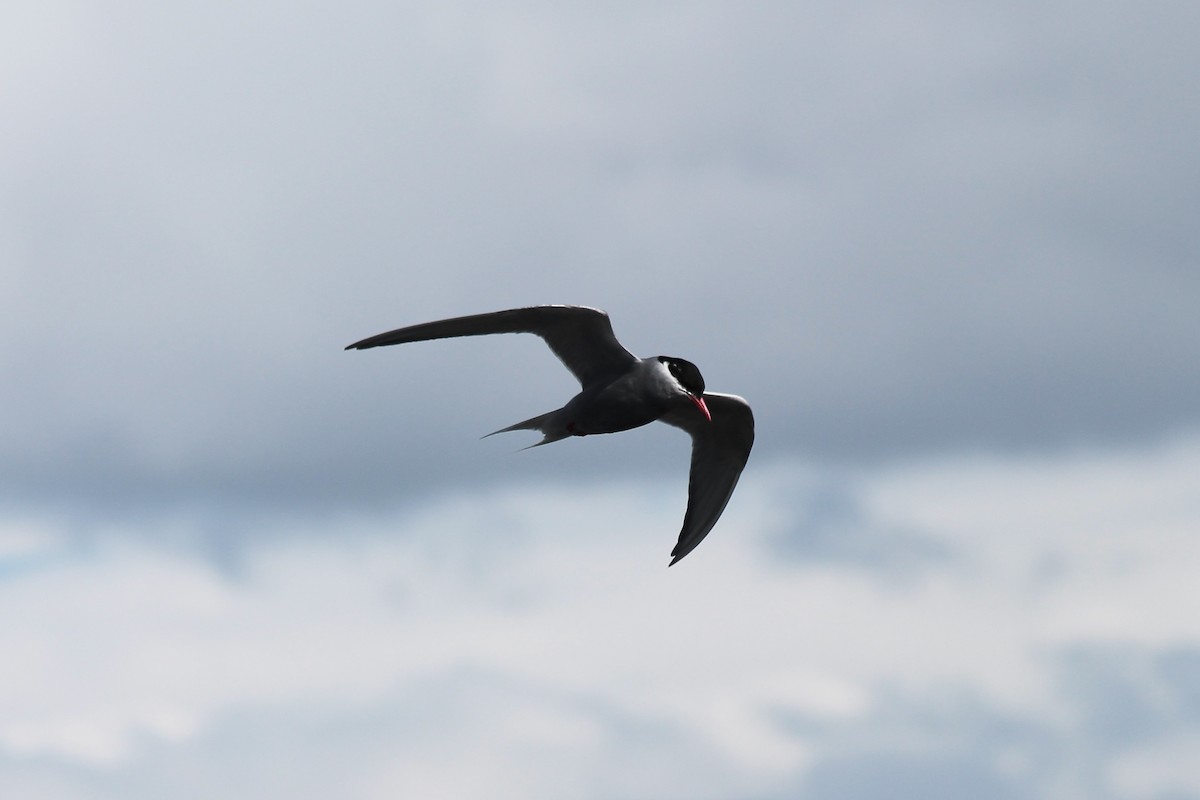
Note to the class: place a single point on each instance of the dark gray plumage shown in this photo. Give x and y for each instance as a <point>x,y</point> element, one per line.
<point>620,391</point>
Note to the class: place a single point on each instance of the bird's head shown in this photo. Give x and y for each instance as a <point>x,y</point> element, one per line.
<point>687,378</point>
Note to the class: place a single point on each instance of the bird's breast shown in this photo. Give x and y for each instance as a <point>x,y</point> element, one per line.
<point>618,406</point>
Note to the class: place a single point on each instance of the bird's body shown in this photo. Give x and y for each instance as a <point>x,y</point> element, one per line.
<point>606,406</point>
<point>619,392</point>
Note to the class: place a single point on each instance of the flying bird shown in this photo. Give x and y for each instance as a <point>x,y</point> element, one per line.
<point>620,391</point>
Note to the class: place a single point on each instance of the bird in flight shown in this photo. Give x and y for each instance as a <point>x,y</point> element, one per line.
<point>620,391</point>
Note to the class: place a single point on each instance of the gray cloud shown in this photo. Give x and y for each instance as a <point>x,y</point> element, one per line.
<point>894,231</point>
<point>898,231</point>
<point>829,525</point>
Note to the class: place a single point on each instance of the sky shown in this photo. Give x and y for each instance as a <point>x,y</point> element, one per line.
<point>947,251</point>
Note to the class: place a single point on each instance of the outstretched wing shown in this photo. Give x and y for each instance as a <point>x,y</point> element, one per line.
<point>581,337</point>
<point>719,452</point>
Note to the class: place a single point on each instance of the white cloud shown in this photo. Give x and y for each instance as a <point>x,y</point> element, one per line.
<point>1160,769</point>
<point>553,610</point>
<point>948,226</point>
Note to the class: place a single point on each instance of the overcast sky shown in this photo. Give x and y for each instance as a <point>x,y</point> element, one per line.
<point>948,252</point>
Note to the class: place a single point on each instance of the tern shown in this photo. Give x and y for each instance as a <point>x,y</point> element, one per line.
<point>620,391</point>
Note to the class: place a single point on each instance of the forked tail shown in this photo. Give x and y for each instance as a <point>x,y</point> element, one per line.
<point>543,423</point>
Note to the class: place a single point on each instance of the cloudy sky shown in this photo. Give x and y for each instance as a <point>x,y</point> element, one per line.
<point>948,251</point>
